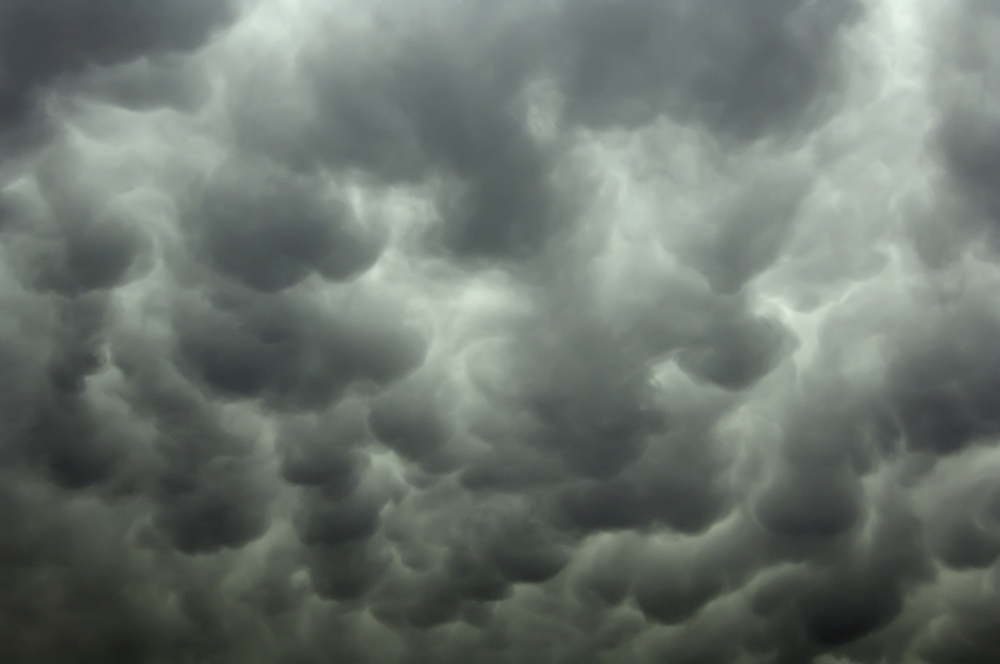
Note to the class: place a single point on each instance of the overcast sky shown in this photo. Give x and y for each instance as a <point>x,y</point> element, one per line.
<point>499,331</point>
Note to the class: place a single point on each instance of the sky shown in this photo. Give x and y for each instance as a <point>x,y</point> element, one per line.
<point>500,331</point>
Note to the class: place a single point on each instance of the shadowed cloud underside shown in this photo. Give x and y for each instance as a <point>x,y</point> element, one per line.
<point>557,331</point>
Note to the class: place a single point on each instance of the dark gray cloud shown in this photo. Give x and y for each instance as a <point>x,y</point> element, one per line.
<point>270,230</point>
<point>72,241</point>
<point>945,391</point>
<point>280,350</point>
<point>601,331</point>
<point>742,68</point>
<point>43,41</point>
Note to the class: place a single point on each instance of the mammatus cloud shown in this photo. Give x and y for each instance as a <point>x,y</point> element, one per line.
<point>607,331</point>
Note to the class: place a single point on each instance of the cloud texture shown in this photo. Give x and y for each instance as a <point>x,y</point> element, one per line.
<point>591,331</point>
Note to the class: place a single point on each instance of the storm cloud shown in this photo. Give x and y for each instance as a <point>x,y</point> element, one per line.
<point>602,331</point>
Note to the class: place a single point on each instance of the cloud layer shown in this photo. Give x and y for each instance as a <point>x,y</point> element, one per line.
<point>605,331</point>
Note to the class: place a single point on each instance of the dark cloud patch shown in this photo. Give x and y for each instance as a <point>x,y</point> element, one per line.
<point>814,490</point>
<point>964,531</point>
<point>588,402</point>
<point>340,512</point>
<point>680,482</point>
<point>970,633</point>
<point>270,229</point>
<point>343,519</point>
<point>752,231</point>
<point>97,256</point>
<point>43,40</point>
<point>223,503</point>
<point>188,429</point>
<point>670,594</point>
<point>608,576</point>
<point>971,139</point>
<point>558,404</point>
<point>810,502</point>
<point>492,544</point>
<point>842,600</point>
<point>73,596</point>
<point>72,604</point>
<point>967,136</point>
<point>71,242</point>
<point>349,570</point>
<point>50,421</point>
<point>327,452</point>
<point>612,505</point>
<point>409,420</point>
<point>509,212</point>
<point>673,484</point>
<point>944,387</point>
<point>828,429</point>
<point>79,338</point>
<point>410,604</point>
<point>524,550</point>
<point>737,353</point>
<point>510,469</point>
<point>440,107</point>
<point>943,230</point>
<point>741,68</point>
<point>284,351</point>
<point>474,578</point>
<point>66,438</point>
<point>578,415</point>
<point>439,104</point>
<point>594,443</point>
<point>845,609</point>
<point>504,206</point>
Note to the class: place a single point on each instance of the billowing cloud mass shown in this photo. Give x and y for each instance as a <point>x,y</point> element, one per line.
<point>523,331</point>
